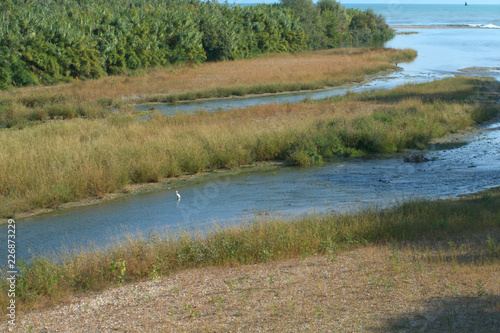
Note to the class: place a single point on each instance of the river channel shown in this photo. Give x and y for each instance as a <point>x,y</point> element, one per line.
<point>468,164</point>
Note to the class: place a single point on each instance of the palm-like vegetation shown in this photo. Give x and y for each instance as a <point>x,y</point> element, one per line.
<point>44,42</point>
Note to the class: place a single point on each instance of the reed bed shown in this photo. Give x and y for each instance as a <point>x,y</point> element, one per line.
<point>62,161</point>
<point>265,74</point>
<point>46,281</point>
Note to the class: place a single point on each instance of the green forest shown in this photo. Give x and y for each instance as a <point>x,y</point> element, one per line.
<point>51,41</point>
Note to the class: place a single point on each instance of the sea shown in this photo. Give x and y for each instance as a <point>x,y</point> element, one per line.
<point>399,14</point>
<point>436,15</point>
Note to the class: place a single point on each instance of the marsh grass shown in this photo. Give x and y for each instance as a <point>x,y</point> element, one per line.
<point>19,113</point>
<point>265,74</point>
<point>427,225</point>
<point>62,161</point>
<point>407,33</point>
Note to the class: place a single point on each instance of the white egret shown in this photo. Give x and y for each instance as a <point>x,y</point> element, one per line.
<point>178,195</point>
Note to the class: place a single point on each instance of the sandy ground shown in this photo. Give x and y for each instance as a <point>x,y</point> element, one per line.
<point>369,289</point>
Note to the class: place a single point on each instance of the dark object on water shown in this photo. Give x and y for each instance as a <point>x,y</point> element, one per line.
<point>416,158</point>
<point>466,3</point>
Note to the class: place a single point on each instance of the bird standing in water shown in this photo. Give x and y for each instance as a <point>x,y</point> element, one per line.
<point>178,195</point>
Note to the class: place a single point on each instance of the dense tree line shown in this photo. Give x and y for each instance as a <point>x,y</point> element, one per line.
<point>327,24</point>
<point>49,41</point>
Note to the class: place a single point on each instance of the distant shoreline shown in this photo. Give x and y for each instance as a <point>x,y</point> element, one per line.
<point>436,27</point>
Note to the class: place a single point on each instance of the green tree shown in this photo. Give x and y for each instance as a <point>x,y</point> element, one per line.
<point>368,27</point>
<point>49,41</point>
<point>309,16</point>
<point>335,20</point>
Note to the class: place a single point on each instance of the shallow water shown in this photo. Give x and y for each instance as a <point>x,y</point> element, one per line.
<point>447,51</point>
<point>377,82</point>
<point>466,166</point>
<point>461,167</point>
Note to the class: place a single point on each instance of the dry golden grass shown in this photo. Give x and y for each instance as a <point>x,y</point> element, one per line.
<point>325,67</point>
<point>431,287</point>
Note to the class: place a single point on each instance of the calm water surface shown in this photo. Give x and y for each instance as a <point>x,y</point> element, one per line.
<point>397,13</point>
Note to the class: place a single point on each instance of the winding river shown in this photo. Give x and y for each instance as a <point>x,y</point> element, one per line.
<point>469,164</point>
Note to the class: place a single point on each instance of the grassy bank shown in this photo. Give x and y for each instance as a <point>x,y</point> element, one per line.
<point>452,222</point>
<point>438,286</point>
<point>62,161</point>
<point>266,74</point>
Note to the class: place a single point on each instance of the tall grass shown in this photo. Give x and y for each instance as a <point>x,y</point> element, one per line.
<point>61,161</point>
<point>266,74</point>
<point>47,281</point>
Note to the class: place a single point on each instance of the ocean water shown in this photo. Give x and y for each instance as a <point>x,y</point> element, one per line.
<point>450,51</point>
<point>396,13</point>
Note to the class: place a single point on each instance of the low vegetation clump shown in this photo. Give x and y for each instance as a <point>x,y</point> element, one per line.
<point>46,280</point>
<point>46,42</point>
<point>61,161</point>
